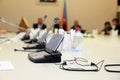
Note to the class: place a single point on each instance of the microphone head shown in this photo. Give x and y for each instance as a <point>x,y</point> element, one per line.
<point>15,49</point>
<point>56,19</point>
<point>45,16</point>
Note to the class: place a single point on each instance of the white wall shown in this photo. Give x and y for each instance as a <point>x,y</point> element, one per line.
<point>91,13</point>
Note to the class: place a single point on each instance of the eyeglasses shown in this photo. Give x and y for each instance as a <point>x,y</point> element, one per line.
<point>79,61</point>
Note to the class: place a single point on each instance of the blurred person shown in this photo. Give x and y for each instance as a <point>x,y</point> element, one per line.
<point>59,27</point>
<point>115,22</point>
<point>107,28</point>
<point>39,24</point>
<point>77,26</point>
<point>59,24</point>
<point>36,28</point>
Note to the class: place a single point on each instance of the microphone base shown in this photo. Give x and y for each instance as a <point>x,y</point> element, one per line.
<point>33,41</point>
<point>39,46</point>
<point>25,38</point>
<point>44,57</point>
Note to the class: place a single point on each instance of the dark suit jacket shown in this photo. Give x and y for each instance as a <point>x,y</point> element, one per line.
<point>35,26</point>
<point>56,26</point>
<point>78,26</point>
<point>107,30</point>
<point>74,27</point>
<point>118,28</point>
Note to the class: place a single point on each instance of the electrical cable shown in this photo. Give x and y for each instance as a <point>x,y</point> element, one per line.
<point>112,65</point>
<point>75,61</point>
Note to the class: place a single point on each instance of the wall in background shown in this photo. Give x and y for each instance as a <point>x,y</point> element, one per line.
<point>91,13</point>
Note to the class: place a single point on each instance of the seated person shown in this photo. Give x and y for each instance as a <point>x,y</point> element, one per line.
<point>58,25</point>
<point>76,26</point>
<point>3,31</point>
<point>39,25</point>
<point>107,28</point>
<point>117,25</point>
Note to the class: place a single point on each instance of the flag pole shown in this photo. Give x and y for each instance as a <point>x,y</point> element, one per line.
<point>64,16</point>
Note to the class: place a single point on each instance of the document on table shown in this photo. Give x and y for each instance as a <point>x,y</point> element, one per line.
<point>6,65</point>
<point>18,37</point>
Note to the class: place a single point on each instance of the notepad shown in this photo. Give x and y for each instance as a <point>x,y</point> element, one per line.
<point>18,37</point>
<point>6,65</point>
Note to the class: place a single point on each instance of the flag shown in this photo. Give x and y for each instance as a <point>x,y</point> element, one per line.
<point>64,16</point>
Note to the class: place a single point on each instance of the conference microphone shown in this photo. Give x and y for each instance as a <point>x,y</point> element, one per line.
<point>27,50</point>
<point>56,19</point>
<point>33,41</point>
<point>19,50</point>
<point>38,46</point>
<point>41,44</point>
<point>45,16</point>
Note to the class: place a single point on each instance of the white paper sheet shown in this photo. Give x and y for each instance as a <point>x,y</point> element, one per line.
<point>18,37</point>
<point>6,65</point>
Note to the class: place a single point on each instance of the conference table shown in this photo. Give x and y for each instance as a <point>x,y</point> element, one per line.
<point>94,49</point>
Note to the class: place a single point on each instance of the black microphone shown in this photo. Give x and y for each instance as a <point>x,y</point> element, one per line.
<point>28,50</point>
<point>45,17</point>
<point>56,19</point>
<point>15,50</point>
